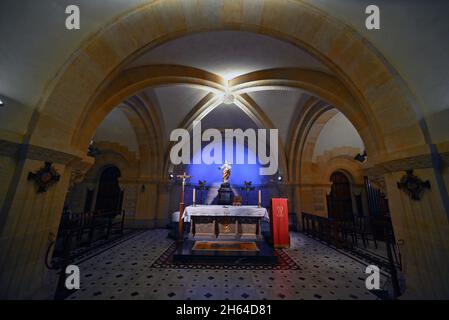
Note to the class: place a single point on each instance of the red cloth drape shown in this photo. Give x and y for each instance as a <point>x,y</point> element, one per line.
<point>279,223</point>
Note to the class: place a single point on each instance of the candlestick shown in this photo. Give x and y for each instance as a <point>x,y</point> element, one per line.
<point>194,196</point>
<point>260,198</point>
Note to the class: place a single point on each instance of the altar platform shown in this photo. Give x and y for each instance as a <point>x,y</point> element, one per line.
<point>225,234</point>
<point>225,252</point>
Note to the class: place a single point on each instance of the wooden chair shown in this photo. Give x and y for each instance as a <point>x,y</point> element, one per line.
<point>348,233</point>
<point>363,228</point>
<point>115,222</point>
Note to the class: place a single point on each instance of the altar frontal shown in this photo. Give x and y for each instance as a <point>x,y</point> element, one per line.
<point>208,222</point>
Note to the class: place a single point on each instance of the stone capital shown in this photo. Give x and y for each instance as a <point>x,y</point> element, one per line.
<point>421,161</point>
<point>34,152</point>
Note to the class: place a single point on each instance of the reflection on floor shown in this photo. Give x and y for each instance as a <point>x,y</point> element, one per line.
<point>127,271</point>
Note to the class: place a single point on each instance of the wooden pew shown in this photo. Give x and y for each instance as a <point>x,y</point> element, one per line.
<point>322,228</point>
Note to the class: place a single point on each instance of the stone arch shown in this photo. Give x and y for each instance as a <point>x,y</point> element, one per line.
<point>113,154</point>
<point>130,82</point>
<point>309,123</point>
<point>354,172</point>
<point>307,176</point>
<point>145,118</point>
<point>327,87</point>
<point>355,62</point>
<point>110,155</point>
<point>347,166</point>
<point>98,171</point>
<point>378,90</point>
<point>246,104</point>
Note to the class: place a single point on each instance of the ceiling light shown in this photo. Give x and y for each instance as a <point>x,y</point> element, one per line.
<point>228,97</point>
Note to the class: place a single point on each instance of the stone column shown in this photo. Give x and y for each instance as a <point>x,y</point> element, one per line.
<point>140,202</point>
<point>163,216</point>
<point>146,203</point>
<point>356,189</point>
<point>422,226</point>
<point>296,200</point>
<point>76,195</point>
<point>27,221</point>
<point>130,194</point>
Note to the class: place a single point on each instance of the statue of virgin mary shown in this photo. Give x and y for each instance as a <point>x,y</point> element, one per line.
<point>226,167</point>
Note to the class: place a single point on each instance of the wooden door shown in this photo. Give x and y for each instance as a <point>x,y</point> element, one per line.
<point>109,196</point>
<point>339,199</point>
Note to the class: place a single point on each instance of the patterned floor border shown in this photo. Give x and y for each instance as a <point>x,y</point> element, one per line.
<point>165,261</point>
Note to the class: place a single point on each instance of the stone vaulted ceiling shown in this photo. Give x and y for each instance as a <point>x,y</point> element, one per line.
<point>33,49</point>
<point>228,54</point>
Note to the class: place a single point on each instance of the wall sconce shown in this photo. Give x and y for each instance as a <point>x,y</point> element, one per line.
<point>280,178</point>
<point>171,176</point>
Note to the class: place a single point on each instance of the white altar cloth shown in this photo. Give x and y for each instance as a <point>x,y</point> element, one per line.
<point>219,210</point>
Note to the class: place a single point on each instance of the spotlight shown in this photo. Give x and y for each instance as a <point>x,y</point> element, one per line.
<point>1,103</point>
<point>171,176</point>
<point>361,157</point>
<point>92,150</point>
<point>279,178</point>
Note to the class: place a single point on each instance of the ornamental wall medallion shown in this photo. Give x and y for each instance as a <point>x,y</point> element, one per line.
<point>413,185</point>
<point>44,177</point>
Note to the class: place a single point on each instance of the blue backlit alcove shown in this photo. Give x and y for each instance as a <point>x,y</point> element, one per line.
<point>221,118</point>
<point>239,173</point>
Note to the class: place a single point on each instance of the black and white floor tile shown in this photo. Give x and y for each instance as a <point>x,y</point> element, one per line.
<point>125,271</point>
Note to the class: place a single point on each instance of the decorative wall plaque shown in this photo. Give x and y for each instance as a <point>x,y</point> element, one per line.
<point>413,185</point>
<point>44,177</point>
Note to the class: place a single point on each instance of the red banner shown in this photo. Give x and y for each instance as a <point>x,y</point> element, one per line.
<point>279,223</point>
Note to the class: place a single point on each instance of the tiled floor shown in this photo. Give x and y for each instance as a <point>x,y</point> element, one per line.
<point>124,272</point>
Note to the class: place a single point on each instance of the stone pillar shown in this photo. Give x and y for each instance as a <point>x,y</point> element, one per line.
<point>130,191</point>
<point>163,216</point>
<point>27,221</point>
<point>423,227</point>
<point>296,200</point>
<point>76,195</point>
<point>356,189</point>
<point>140,202</point>
<point>146,204</point>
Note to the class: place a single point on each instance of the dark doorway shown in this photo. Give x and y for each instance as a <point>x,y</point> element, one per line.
<point>89,199</point>
<point>339,201</point>
<point>109,196</point>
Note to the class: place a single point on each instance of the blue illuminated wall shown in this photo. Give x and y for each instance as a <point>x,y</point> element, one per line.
<point>227,117</point>
<point>239,174</point>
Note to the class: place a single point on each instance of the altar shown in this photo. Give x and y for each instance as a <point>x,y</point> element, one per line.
<point>210,222</point>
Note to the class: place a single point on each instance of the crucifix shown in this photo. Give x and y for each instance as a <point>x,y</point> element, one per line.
<point>184,177</point>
